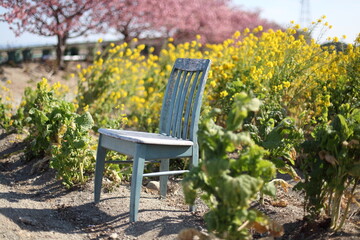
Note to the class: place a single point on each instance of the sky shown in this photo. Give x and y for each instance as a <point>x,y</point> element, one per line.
<point>343,15</point>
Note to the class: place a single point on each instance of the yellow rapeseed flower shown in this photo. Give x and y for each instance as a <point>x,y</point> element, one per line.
<point>236,35</point>
<point>223,94</point>
<point>286,84</point>
<point>57,85</point>
<point>148,121</point>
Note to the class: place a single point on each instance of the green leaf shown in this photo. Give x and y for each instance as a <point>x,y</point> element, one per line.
<point>79,144</point>
<point>85,121</point>
<point>216,166</point>
<point>189,192</point>
<point>254,104</point>
<point>339,124</point>
<point>238,191</point>
<point>273,140</point>
<point>269,189</point>
<point>265,169</point>
<point>356,115</point>
<point>355,170</point>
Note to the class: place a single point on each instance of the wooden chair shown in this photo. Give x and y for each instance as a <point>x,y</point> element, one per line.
<point>177,138</point>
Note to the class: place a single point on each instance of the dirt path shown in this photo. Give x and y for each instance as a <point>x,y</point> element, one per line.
<point>36,206</point>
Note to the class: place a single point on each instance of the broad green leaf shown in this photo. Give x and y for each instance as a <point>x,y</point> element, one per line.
<point>79,143</point>
<point>265,169</point>
<point>272,140</point>
<point>85,121</point>
<point>238,191</point>
<point>340,125</point>
<point>355,170</point>
<point>254,104</point>
<point>269,189</point>
<point>356,115</point>
<point>216,166</point>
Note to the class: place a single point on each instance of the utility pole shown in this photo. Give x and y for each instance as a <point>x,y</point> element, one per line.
<point>304,12</point>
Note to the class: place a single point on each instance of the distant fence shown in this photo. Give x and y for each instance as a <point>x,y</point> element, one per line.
<point>73,52</point>
<point>40,54</point>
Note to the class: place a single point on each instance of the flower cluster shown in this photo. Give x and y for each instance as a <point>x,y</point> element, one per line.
<point>285,66</point>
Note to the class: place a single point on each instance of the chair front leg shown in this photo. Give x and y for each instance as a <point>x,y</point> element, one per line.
<point>194,163</point>
<point>164,166</point>
<point>99,170</point>
<point>136,181</point>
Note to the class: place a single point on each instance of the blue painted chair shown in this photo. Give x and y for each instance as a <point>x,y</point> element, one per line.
<point>177,138</point>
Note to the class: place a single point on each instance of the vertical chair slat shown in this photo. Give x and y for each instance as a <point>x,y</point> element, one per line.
<point>194,90</point>
<point>177,105</point>
<point>173,94</point>
<point>189,105</point>
<point>182,101</point>
<point>197,106</point>
<point>164,115</point>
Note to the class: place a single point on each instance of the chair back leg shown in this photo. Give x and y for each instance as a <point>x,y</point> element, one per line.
<point>164,166</point>
<point>99,170</point>
<point>136,181</point>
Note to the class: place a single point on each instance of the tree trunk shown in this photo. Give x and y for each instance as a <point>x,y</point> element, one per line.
<point>60,50</point>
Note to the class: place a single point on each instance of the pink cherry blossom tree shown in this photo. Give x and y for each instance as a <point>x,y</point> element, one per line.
<point>63,19</point>
<point>127,17</point>
<point>214,20</point>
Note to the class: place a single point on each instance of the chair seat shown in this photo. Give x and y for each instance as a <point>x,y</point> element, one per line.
<point>145,137</point>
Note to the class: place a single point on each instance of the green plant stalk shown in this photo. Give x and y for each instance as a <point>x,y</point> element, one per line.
<point>336,209</point>
<point>347,205</point>
<point>328,209</point>
<point>243,226</point>
<point>81,168</point>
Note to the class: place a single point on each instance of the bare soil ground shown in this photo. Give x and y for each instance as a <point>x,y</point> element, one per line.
<point>35,205</point>
<point>27,75</point>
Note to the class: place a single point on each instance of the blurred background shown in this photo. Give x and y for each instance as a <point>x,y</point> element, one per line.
<point>342,15</point>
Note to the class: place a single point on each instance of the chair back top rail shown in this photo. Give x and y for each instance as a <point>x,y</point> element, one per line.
<point>182,101</point>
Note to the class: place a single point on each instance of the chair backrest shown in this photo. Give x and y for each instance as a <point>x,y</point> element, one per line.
<point>182,101</point>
